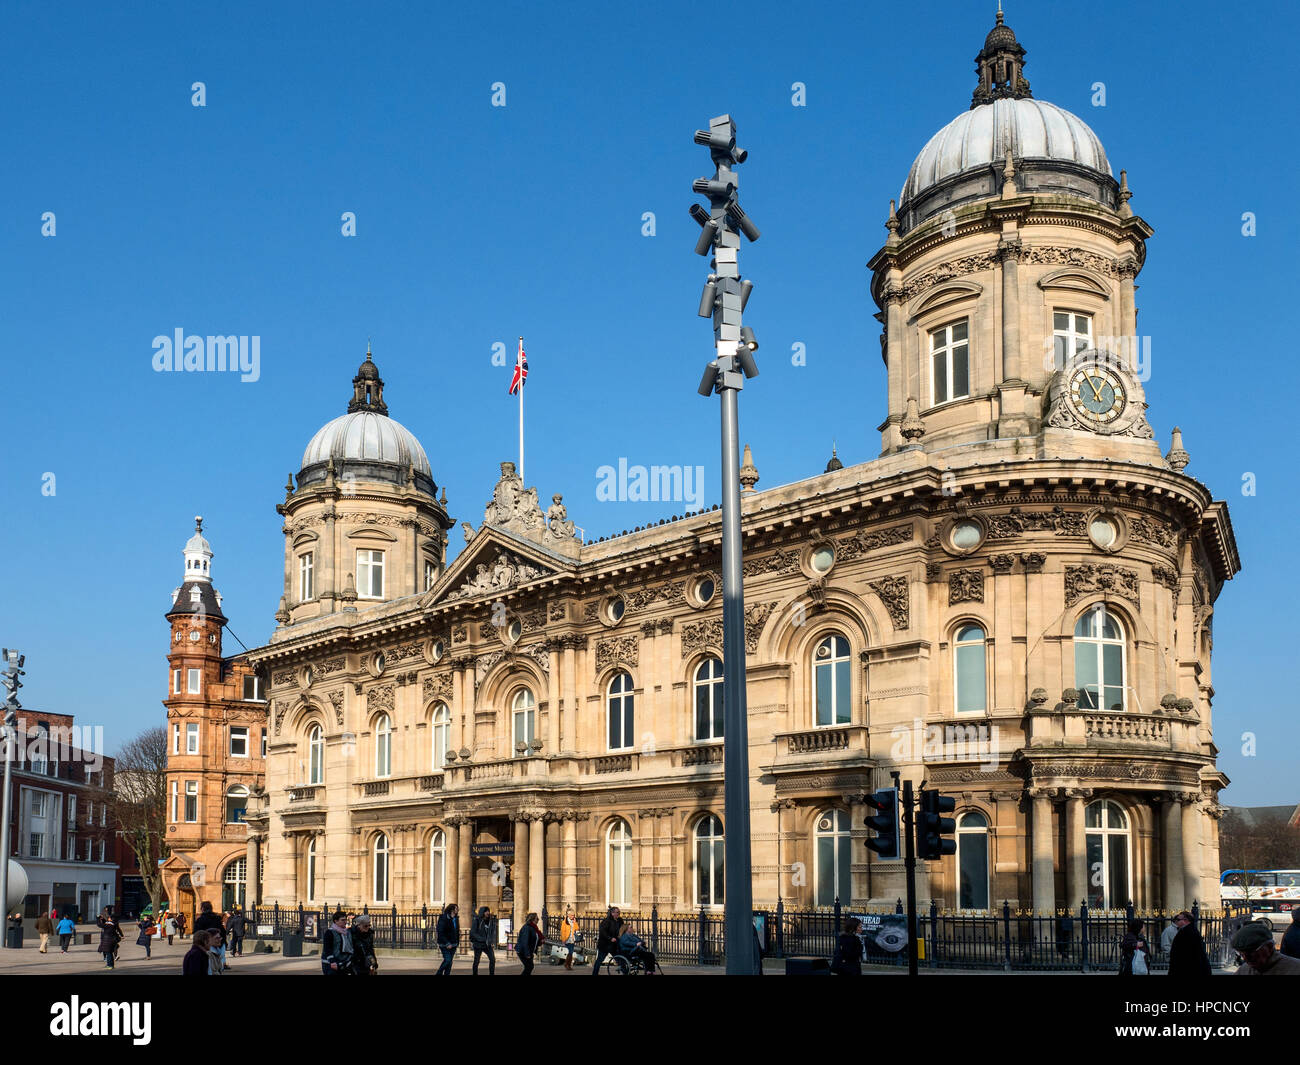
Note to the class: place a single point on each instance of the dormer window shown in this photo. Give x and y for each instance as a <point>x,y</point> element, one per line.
<point>950,363</point>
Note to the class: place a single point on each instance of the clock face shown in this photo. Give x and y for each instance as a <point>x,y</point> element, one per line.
<point>1097,393</point>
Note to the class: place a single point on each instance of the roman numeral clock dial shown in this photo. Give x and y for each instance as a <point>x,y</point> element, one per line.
<point>1097,394</point>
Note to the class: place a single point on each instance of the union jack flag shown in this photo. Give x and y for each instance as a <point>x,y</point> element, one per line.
<point>521,369</point>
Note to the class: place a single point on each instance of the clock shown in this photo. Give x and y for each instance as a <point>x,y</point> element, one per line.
<point>1097,393</point>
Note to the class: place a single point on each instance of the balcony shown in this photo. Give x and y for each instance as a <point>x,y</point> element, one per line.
<point>308,794</point>
<point>828,747</point>
<point>373,788</point>
<point>433,782</point>
<point>614,763</point>
<point>822,739</point>
<point>1171,729</point>
<point>1126,728</point>
<point>710,754</point>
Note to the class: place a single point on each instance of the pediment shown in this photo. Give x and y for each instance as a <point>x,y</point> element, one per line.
<point>1075,279</point>
<point>943,295</point>
<point>493,563</point>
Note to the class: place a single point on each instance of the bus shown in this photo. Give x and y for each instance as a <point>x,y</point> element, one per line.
<point>1272,894</point>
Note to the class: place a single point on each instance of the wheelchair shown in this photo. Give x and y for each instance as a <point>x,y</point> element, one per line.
<point>633,965</point>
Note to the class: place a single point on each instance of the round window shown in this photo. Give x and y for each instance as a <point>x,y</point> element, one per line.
<point>1103,532</point>
<point>437,650</point>
<point>515,630</point>
<point>822,559</point>
<point>704,590</point>
<point>965,535</point>
<point>379,663</point>
<point>616,609</point>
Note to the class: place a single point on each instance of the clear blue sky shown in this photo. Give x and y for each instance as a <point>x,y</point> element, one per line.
<point>476,224</point>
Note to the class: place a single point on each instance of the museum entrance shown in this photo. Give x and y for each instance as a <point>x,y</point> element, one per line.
<point>492,856</point>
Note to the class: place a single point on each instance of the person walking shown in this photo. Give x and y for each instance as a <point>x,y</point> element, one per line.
<point>110,935</point>
<point>364,962</point>
<point>847,959</point>
<point>1135,952</point>
<point>448,936</point>
<point>236,925</point>
<point>528,943</point>
<point>195,962</point>
<point>336,947</point>
<point>482,937</point>
<point>570,935</point>
<point>67,928</point>
<point>1291,939</point>
<point>1187,955</point>
<point>180,925</point>
<point>45,929</point>
<point>1254,942</point>
<point>210,922</point>
<point>169,927</point>
<point>1167,936</point>
<point>607,938</point>
<point>145,938</point>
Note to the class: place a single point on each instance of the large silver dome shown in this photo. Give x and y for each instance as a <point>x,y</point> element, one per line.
<point>366,437</point>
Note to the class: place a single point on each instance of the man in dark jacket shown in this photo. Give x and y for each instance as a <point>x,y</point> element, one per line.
<point>448,935</point>
<point>1187,955</point>
<point>530,939</point>
<point>195,962</point>
<point>336,949</point>
<point>607,938</point>
<point>364,962</point>
<point>482,936</point>
<point>210,922</point>
<point>235,926</point>
<point>1291,940</point>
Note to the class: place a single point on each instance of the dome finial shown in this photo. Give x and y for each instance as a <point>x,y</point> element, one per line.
<point>368,388</point>
<point>835,463</point>
<point>1000,66</point>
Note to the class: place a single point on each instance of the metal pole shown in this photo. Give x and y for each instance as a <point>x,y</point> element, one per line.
<point>9,719</point>
<point>910,864</point>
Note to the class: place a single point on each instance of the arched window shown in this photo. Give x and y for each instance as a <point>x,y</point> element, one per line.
<point>236,803</point>
<point>621,729</point>
<point>708,700</point>
<point>441,735</point>
<point>524,711</point>
<point>438,866</point>
<point>1106,830</point>
<point>834,852</point>
<point>973,861</point>
<point>1099,660</point>
<point>618,864</point>
<point>234,884</point>
<point>316,755</point>
<point>709,880</point>
<point>381,868</point>
<point>969,672</point>
<point>383,746</point>
<point>311,870</point>
<point>832,681</point>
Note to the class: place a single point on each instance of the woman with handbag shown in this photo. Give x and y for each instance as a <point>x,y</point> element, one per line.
<point>145,938</point>
<point>570,935</point>
<point>110,936</point>
<point>1135,952</point>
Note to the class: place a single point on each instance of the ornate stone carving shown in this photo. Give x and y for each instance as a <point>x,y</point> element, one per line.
<point>647,628</point>
<point>557,520</point>
<point>438,686</point>
<point>403,652</point>
<point>591,611</point>
<point>933,571</point>
<point>893,592</point>
<point>851,547</point>
<point>1033,561</point>
<point>380,697</point>
<point>665,626</point>
<point>512,506</point>
<point>336,700</point>
<point>967,264</point>
<point>698,635</point>
<point>390,521</point>
<point>1058,520</point>
<point>617,649</point>
<point>756,615</point>
<point>277,714</point>
<point>332,665</point>
<point>508,571</point>
<point>640,598</point>
<point>1002,563</point>
<point>1149,531</point>
<point>1100,577</point>
<point>777,562</point>
<point>282,678</point>
<point>1071,257</point>
<point>555,612</point>
<point>965,586</point>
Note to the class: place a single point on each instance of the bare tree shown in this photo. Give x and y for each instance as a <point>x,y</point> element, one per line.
<point>140,804</point>
<point>1258,842</point>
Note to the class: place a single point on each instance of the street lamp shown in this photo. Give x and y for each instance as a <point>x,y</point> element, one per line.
<point>723,299</point>
<point>13,670</point>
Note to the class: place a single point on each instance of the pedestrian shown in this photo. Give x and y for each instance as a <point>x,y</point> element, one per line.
<point>633,947</point>
<point>145,938</point>
<point>364,962</point>
<point>45,929</point>
<point>1254,942</point>
<point>110,935</point>
<point>570,935</point>
<point>528,942</point>
<point>1167,936</point>
<point>847,959</point>
<point>195,962</point>
<point>482,937</point>
<point>169,926</point>
<point>210,922</point>
<point>448,937</point>
<point>607,937</point>
<point>67,928</point>
<point>336,947</point>
<point>1187,955</point>
<point>180,925</point>
<point>235,926</point>
<point>1291,940</point>
<point>1135,952</point>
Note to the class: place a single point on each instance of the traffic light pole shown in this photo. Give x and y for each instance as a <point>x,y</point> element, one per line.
<point>13,670</point>
<point>909,863</point>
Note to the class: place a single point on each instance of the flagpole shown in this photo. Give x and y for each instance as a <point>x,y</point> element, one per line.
<point>521,417</point>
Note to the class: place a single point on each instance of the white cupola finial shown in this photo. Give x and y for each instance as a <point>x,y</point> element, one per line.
<point>198,555</point>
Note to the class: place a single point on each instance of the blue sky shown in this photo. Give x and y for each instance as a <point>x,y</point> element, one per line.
<point>476,224</point>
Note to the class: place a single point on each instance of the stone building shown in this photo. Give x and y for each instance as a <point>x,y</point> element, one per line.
<point>1012,602</point>
<point>216,747</point>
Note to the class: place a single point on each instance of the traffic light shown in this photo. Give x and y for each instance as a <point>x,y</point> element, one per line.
<point>931,827</point>
<point>885,822</point>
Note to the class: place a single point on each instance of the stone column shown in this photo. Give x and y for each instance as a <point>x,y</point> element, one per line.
<point>536,864</point>
<point>1128,268</point>
<point>895,369</point>
<point>519,870</point>
<point>570,736</point>
<point>569,859</point>
<point>451,867</point>
<point>251,894</point>
<point>327,586</point>
<point>1041,849</point>
<point>464,865</point>
<point>455,741</point>
<point>553,699</point>
<point>1076,848</point>
<point>466,665</point>
<point>1173,832</point>
<point>1012,418</point>
<point>1191,848</point>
